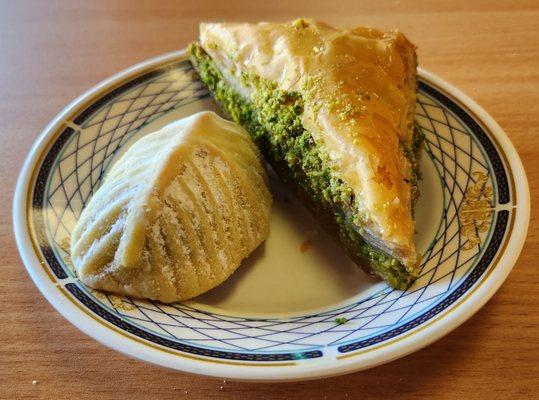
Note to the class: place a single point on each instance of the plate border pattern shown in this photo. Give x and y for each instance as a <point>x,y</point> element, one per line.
<point>155,67</point>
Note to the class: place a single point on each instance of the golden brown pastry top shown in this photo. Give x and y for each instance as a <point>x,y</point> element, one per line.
<point>359,90</point>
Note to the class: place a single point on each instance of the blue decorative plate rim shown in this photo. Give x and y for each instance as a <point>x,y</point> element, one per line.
<point>503,222</point>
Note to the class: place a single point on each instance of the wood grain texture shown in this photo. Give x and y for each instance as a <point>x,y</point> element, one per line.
<point>53,51</point>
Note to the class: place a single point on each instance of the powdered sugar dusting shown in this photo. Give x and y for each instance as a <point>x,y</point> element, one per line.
<point>189,203</point>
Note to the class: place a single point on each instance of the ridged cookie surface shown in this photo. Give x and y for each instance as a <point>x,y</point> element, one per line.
<point>176,214</point>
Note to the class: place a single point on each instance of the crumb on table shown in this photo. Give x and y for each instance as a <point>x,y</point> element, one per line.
<point>306,245</point>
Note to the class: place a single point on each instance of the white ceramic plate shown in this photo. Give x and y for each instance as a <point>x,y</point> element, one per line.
<point>274,320</point>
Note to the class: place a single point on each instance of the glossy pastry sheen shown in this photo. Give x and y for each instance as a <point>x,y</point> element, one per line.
<point>360,96</point>
<point>176,214</point>
<point>358,88</point>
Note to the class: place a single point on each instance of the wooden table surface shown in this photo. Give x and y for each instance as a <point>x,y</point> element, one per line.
<point>52,51</point>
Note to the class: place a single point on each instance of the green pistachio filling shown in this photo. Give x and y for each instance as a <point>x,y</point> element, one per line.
<point>273,118</point>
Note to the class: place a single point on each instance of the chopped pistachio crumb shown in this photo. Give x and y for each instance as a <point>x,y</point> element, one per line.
<point>300,23</point>
<point>341,320</point>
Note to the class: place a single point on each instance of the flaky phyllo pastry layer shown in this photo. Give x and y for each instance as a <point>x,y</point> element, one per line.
<point>333,112</point>
<point>176,214</point>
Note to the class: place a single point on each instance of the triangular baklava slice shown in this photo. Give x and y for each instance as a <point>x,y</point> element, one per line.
<point>333,113</point>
